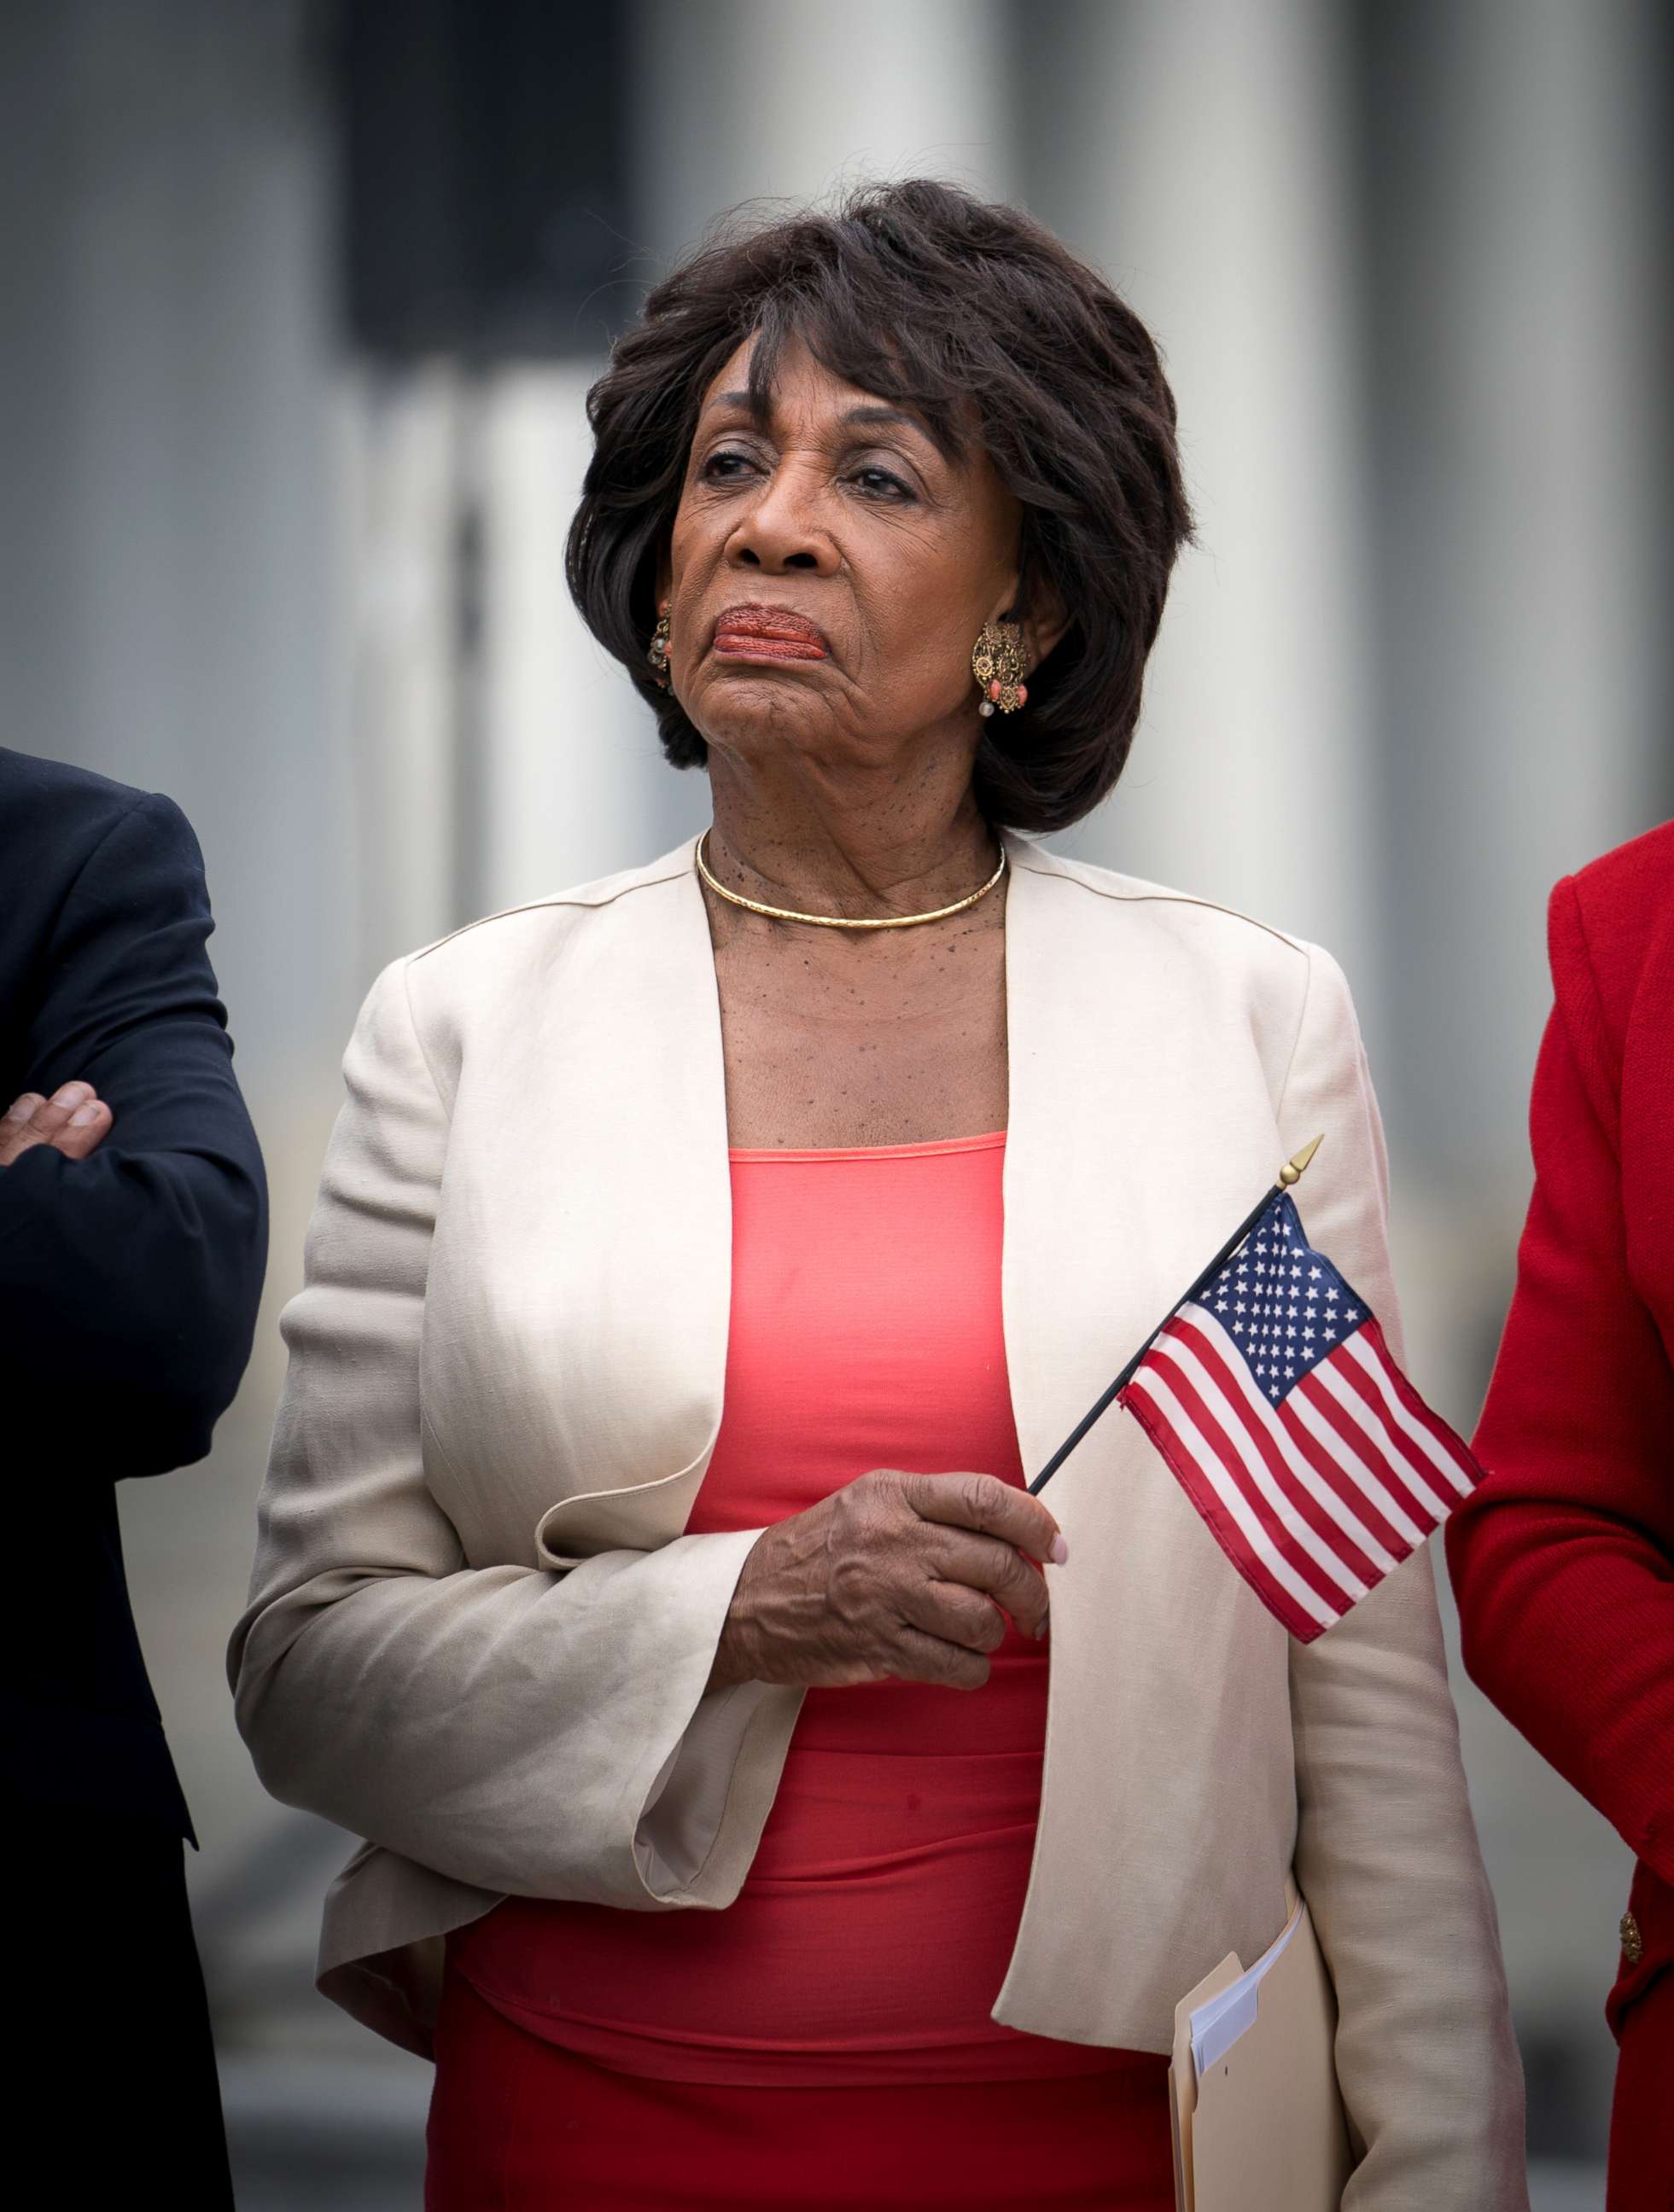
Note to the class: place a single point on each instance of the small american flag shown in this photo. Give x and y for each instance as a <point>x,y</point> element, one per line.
<point>1273,1397</point>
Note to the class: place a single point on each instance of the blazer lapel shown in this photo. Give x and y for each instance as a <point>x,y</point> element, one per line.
<point>1115,1189</point>
<point>638,1080</point>
<point>1138,1140</point>
<point>1073,1300</point>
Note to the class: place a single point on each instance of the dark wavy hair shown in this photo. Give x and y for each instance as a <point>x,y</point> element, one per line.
<point>956,309</point>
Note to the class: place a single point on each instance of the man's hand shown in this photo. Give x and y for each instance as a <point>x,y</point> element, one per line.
<point>75,1120</point>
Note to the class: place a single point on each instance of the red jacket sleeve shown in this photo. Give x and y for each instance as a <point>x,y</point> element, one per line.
<point>1563,1563</point>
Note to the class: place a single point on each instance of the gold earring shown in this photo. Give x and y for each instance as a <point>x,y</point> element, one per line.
<point>657,652</point>
<point>998,665</point>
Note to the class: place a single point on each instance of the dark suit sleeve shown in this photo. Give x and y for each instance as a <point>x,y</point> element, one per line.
<point>129,1281</point>
<point>1564,1560</point>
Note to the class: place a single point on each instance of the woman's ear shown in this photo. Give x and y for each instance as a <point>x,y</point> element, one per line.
<point>1045,620</point>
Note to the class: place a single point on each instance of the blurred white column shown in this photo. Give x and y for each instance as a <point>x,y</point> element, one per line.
<point>501,754</point>
<point>403,481</point>
<point>743,100</point>
<point>1195,151</point>
<point>574,783</point>
<point>1525,447</point>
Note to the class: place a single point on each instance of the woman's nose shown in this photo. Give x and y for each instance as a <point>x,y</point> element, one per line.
<point>781,532</point>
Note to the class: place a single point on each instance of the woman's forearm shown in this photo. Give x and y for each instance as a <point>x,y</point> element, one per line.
<point>507,1726</point>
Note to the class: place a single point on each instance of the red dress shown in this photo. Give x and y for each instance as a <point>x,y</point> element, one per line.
<point>1564,1561</point>
<point>827,2039</point>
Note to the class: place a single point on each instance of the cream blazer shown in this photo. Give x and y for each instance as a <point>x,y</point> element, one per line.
<point>477,1636</point>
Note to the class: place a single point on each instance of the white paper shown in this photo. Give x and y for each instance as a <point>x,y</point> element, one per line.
<point>1217,2024</point>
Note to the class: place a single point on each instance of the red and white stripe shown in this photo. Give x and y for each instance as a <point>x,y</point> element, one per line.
<point>1313,1498</point>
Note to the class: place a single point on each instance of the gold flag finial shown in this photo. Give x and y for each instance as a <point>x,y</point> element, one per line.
<point>1294,1171</point>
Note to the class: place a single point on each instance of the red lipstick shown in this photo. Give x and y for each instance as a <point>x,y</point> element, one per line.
<point>760,633</point>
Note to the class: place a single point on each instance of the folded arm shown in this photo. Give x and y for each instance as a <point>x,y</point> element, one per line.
<point>130,1278</point>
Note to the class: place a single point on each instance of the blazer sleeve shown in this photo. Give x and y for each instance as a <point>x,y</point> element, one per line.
<point>129,1281</point>
<point>1564,1560</point>
<point>528,1731</point>
<point>1386,1852</point>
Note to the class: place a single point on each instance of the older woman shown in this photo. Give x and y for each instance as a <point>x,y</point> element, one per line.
<point>704,1257</point>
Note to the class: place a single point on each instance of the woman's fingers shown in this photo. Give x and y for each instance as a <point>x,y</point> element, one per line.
<point>912,1575</point>
<point>959,1615</point>
<point>925,1658</point>
<point>982,1563</point>
<point>992,1508</point>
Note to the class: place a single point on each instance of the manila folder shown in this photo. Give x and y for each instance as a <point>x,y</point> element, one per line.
<point>1263,2129</point>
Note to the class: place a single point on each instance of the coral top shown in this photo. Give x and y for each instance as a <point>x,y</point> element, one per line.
<point>873,1933</point>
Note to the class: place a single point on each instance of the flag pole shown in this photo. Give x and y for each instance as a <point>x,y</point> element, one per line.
<point>1290,1175</point>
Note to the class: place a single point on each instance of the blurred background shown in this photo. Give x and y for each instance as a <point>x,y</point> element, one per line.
<point>301,302</point>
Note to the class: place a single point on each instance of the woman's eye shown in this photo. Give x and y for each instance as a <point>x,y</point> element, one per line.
<point>725,467</point>
<point>729,466</point>
<point>879,483</point>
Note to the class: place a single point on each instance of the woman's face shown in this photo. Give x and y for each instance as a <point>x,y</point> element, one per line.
<point>828,572</point>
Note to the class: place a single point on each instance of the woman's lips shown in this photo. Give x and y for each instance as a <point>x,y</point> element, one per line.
<point>756,632</point>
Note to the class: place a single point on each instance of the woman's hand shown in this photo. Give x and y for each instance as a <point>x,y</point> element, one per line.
<point>75,1120</point>
<point>895,1575</point>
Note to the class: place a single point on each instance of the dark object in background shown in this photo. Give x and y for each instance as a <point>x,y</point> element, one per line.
<point>486,178</point>
<point>129,1286</point>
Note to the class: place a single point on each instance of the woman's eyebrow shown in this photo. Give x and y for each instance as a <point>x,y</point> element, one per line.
<point>943,440</point>
<point>886,416</point>
<point>875,416</point>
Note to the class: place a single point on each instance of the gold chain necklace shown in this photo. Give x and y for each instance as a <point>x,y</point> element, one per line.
<point>840,920</point>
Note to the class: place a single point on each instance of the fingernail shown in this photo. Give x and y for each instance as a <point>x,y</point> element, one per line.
<point>68,1094</point>
<point>23,1110</point>
<point>1060,1551</point>
<point>91,1113</point>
